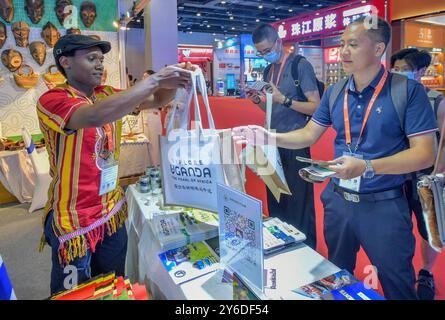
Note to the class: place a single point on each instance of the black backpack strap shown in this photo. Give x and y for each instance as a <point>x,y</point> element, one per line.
<point>337,88</point>
<point>399,96</point>
<point>294,73</point>
<point>266,73</point>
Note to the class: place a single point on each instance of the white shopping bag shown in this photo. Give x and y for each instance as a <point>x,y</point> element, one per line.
<point>191,160</point>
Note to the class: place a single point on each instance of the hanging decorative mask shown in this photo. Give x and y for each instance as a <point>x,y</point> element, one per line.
<point>11,59</point>
<point>7,10</point>
<point>20,30</point>
<point>73,31</point>
<point>59,8</point>
<point>38,51</point>
<point>3,34</point>
<point>50,34</point>
<point>88,13</point>
<point>35,10</point>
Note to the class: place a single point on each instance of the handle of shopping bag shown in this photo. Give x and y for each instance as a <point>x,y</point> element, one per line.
<point>268,109</point>
<point>439,150</point>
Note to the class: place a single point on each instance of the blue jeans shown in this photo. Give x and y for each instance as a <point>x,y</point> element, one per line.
<point>109,257</point>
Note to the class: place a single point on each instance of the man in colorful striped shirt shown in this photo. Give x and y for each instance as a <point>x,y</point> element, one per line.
<point>81,122</point>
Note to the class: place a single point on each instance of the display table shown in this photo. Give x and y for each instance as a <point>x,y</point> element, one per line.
<point>17,174</point>
<point>295,266</point>
<point>134,155</point>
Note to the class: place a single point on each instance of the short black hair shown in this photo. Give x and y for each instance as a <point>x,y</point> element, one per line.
<point>400,55</point>
<point>59,66</point>
<point>149,72</point>
<point>264,32</point>
<point>418,60</point>
<point>382,33</point>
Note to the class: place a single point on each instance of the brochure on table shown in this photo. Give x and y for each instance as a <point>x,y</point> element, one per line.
<point>241,235</point>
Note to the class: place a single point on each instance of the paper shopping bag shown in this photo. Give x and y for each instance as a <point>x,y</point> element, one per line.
<point>265,161</point>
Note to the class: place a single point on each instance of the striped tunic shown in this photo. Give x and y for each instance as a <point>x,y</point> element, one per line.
<point>77,158</point>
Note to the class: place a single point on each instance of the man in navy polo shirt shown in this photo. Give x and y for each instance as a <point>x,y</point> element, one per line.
<point>364,204</point>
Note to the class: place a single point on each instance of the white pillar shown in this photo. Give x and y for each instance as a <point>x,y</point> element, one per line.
<point>161,34</point>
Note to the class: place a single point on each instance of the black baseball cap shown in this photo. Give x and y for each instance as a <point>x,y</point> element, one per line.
<point>72,42</point>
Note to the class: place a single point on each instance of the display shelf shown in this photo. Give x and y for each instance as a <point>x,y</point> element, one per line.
<point>434,74</point>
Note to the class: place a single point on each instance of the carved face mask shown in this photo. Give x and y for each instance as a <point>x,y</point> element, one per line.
<point>20,30</point>
<point>35,10</point>
<point>60,6</point>
<point>50,34</point>
<point>38,51</point>
<point>88,13</point>
<point>73,31</point>
<point>11,59</point>
<point>3,34</point>
<point>7,10</point>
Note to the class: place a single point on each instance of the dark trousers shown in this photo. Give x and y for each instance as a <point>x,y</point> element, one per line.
<point>383,229</point>
<point>109,256</point>
<point>297,209</point>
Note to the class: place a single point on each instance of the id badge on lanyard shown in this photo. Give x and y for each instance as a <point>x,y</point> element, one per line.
<point>109,174</point>
<point>354,184</point>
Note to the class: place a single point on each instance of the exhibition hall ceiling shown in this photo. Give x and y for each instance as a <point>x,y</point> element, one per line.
<point>237,16</point>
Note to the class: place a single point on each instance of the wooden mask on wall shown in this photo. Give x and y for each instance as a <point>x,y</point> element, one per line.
<point>59,9</point>
<point>7,10</point>
<point>20,30</point>
<point>38,51</point>
<point>50,34</point>
<point>3,34</point>
<point>35,10</point>
<point>11,59</point>
<point>88,13</point>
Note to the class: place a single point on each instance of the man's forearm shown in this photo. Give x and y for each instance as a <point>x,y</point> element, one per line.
<point>307,108</point>
<point>300,138</point>
<point>111,108</point>
<point>410,160</point>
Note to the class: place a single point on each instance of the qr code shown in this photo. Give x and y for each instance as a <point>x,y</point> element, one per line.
<point>236,225</point>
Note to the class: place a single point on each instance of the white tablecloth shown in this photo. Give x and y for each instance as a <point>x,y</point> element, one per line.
<point>295,267</point>
<point>134,156</point>
<point>17,174</point>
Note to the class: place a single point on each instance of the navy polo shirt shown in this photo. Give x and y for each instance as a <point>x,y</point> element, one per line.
<point>383,135</point>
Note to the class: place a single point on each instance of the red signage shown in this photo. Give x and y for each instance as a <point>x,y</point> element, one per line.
<point>332,55</point>
<point>321,22</point>
<point>195,54</point>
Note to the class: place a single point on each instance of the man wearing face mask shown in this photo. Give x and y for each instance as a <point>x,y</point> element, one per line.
<point>413,63</point>
<point>294,101</point>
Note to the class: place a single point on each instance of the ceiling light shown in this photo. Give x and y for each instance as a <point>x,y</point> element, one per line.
<point>179,23</point>
<point>190,32</point>
<point>363,1</point>
<point>244,24</point>
<point>198,14</point>
<point>317,14</point>
<point>181,8</point>
<point>260,6</point>
<point>208,26</point>
<point>290,10</point>
<point>214,34</point>
<point>257,20</point>
<point>305,5</point>
<point>223,2</point>
<point>319,5</point>
<point>231,18</point>
<point>233,28</point>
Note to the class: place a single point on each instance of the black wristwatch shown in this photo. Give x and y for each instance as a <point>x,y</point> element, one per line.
<point>287,102</point>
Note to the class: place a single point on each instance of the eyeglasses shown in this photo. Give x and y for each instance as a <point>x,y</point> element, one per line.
<point>266,51</point>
